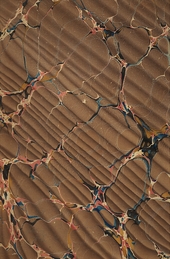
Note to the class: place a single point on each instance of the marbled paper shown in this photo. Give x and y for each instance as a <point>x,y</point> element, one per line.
<point>84,129</point>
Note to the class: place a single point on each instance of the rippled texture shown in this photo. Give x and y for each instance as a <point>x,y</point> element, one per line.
<point>84,129</point>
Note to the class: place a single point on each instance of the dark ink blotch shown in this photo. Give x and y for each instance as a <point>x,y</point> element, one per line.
<point>6,171</point>
<point>132,214</point>
<point>13,219</point>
